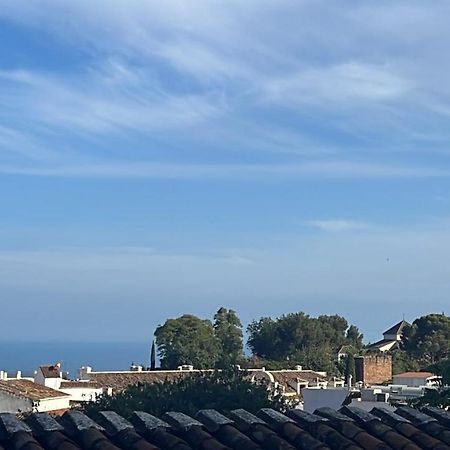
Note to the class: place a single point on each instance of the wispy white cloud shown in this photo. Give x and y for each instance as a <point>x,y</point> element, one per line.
<point>340,84</point>
<point>111,99</point>
<point>337,225</point>
<point>328,169</point>
<point>208,78</point>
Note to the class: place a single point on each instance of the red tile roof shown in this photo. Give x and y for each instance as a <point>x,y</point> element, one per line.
<point>29,389</point>
<point>121,380</point>
<point>51,371</point>
<point>326,429</point>
<point>79,384</point>
<point>415,375</point>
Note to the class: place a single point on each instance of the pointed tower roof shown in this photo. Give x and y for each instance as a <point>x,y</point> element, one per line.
<point>397,328</point>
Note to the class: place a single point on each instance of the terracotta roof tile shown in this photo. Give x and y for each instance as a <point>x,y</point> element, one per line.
<point>66,384</point>
<point>349,428</point>
<point>121,380</point>
<point>51,371</point>
<point>29,389</point>
<point>415,375</point>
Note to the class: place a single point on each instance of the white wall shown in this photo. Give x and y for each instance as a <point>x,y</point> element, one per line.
<point>52,404</point>
<point>410,381</point>
<point>12,404</point>
<point>82,394</point>
<point>53,383</point>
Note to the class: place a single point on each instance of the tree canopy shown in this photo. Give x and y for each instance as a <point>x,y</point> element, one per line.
<point>301,339</point>
<point>289,340</point>
<point>228,332</point>
<point>428,339</point>
<point>187,340</point>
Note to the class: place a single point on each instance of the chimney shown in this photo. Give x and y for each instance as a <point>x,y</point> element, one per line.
<point>84,372</point>
<point>349,381</point>
<point>298,367</point>
<point>19,374</point>
<point>3,375</point>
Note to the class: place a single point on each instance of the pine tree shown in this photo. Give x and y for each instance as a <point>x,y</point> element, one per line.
<point>153,357</point>
<point>350,368</point>
<point>228,332</point>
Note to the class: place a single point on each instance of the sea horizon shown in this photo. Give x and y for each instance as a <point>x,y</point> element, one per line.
<point>27,356</point>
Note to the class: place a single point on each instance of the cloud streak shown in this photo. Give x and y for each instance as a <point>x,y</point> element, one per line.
<point>107,100</point>
<point>167,86</point>
<point>327,170</point>
<point>337,225</point>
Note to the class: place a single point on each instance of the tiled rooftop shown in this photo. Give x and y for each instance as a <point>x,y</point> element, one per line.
<point>415,375</point>
<point>29,389</point>
<point>50,371</point>
<point>66,384</point>
<point>121,380</point>
<point>397,328</point>
<point>349,428</point>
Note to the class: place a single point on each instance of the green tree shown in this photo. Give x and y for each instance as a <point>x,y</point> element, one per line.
<point>153,357</point>
<point>228,332</point>
<point>433,397</point>
<point>350,368</point>
<point>263,338</point>
<point>300,339</point>
<point>187,340</point>
<point>428,339</point>
<point>220,390</point>
<point>314,357</point>
<point>354,337</point>
<point>402,362</point>
<point>441,368</point>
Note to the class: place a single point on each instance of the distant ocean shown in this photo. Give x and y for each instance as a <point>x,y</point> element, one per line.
<point>27,356</point>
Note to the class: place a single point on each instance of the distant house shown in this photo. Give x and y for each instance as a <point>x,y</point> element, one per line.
<point>416,379</point>
<point>81,391</point>
<point>391,338</point>
<point>19,395</point>
<point>287,382</point>
<point>118,380</point>
<point>49,376</point>
<point>290,383</point>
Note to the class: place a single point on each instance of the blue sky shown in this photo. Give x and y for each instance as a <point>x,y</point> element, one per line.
<point>166,157</point>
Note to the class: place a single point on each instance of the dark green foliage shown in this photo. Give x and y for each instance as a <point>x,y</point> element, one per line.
<point>263,338</point>
<point>402,362</point>
<point>428,339</point>
<point>220,390</point>
<point>300,339</point>
<point>315,357</point>
<point>433,397</point>
<point>228,332</point>
<point>441,368</point>
<point>350,368</point>
<point>187,340</point>
<point>153,357</point>
<point>354,337</point>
